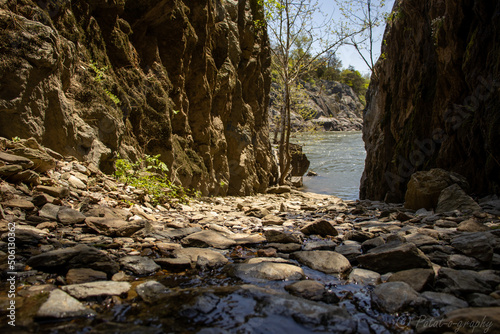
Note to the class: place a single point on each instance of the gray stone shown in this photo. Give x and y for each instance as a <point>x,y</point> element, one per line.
<point>444,301</point>
<point>416,278</point>
<point>396,297</point>
<point>372,243</point>
<point>285,248</point>
<point>350,251</point>
<point>307,289</point>
<point>208,238</point>
<point>454,198</point>
<point>358,235</point>
<point>320,245</point>
<point>59,192</point>
<point>325,261</point>
<point>114,227</point>
<point>152,291</point>
<point>26,176</point>
<point>472,225</point>
<point>477,245</point>
<point>96,289</point>
<point>43,162</point>
<point>10,170</point>
<point>461,282</point>
<point>49,211</point>
<point>320,227</point>
<point>364,277</point>
<point>139,265</point>
<point>392,257</point>
<point>84,275</point>
<point>19,203</point>
<point>420,239</point>
<point>61,305</point>
<point>68,216</point>
<point>80,256</point>
<point>192,254</point>
<point>75,182</point>
<point>482,300</point>
<point>459,261</point>
<point>270,271</point>
<point>272,220</point>
<point>282,237</point>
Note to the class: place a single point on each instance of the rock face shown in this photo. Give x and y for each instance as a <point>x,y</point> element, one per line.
<point>327,105</point>
<point>433,100</point>
<point>187,80</point>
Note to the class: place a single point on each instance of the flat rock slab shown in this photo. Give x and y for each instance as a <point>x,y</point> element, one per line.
<point>139,265</point>
<point>208,238</point>
<point>201,256</point>
<point>477,245</point>
<point>61,305</point>
<point>461,282</point>
<point>282,237</point>
<point>395,297</point>
<point>247,239</point>
<point>320,227</point>
<point>16,160</point>
<point>365,277</point>
<point>69,216</point>
<point>325,261</point>
<point>49,211</point>
<point>269,271</point>
<point>80,256</point>
<point>444,301</point>
<point>114,227</point>
<point>19,203</point>
<point>84,275</point>
<point>392,257</point>
<point>96,289</point>
<point>416,278</point>
<point>59,192</point>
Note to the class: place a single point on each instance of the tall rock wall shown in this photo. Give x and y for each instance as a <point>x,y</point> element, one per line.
<point>434,100</point>
<point>185,79</point>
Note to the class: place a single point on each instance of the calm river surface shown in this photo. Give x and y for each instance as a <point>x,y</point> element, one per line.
<point>338,158</point>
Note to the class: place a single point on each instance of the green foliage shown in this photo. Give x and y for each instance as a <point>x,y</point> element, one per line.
<point>150,174</point>
<point>16,139</point>
<point>99,77</point>
<point>355,80</point>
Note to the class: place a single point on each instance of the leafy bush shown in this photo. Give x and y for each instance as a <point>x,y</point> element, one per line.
<point>150,174</point>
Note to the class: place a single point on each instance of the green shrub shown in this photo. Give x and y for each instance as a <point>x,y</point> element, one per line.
<point>150,174</point>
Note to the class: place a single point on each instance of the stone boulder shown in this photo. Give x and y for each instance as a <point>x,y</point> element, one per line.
<point>454,198</point>
<point>425,188</point>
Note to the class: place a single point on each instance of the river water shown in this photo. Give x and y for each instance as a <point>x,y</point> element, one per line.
<point>338,158</point>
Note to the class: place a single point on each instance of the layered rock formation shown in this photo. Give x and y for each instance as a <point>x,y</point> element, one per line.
<point>187,80</point>
<point>434,98</point>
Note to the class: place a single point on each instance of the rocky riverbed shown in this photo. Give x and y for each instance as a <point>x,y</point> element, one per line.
<point>94,256</point>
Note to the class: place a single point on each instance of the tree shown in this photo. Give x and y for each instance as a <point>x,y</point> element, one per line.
<point>368,14</point>
<point>298,42</point>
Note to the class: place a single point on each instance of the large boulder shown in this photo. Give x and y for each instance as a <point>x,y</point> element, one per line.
<point>454,198</point>
<point>425,188</point>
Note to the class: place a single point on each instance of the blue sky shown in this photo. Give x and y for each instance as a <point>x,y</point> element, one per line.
<point>348,54</point>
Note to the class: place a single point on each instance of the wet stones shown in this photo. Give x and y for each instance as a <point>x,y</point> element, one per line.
<point>97,289</point>
<point>152,291</point>
<point>395,297</point>
<point>325,261</point>
<point>392,257</point>
<point>270,271</point>
<point>139,265</point>
<point>207,239</point>
<point>477,245</point>
<point>80,256</point>
<point>416,278</point>
<point>61,305</point>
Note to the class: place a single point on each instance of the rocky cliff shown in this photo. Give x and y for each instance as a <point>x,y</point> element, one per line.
<point>184,79</point>
<point>326,105</point>
<point>434,99</point>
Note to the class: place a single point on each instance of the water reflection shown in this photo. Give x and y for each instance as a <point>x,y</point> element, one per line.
<point>338,158</point>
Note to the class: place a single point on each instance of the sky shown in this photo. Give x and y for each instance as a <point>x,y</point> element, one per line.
<point>348,54</point>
